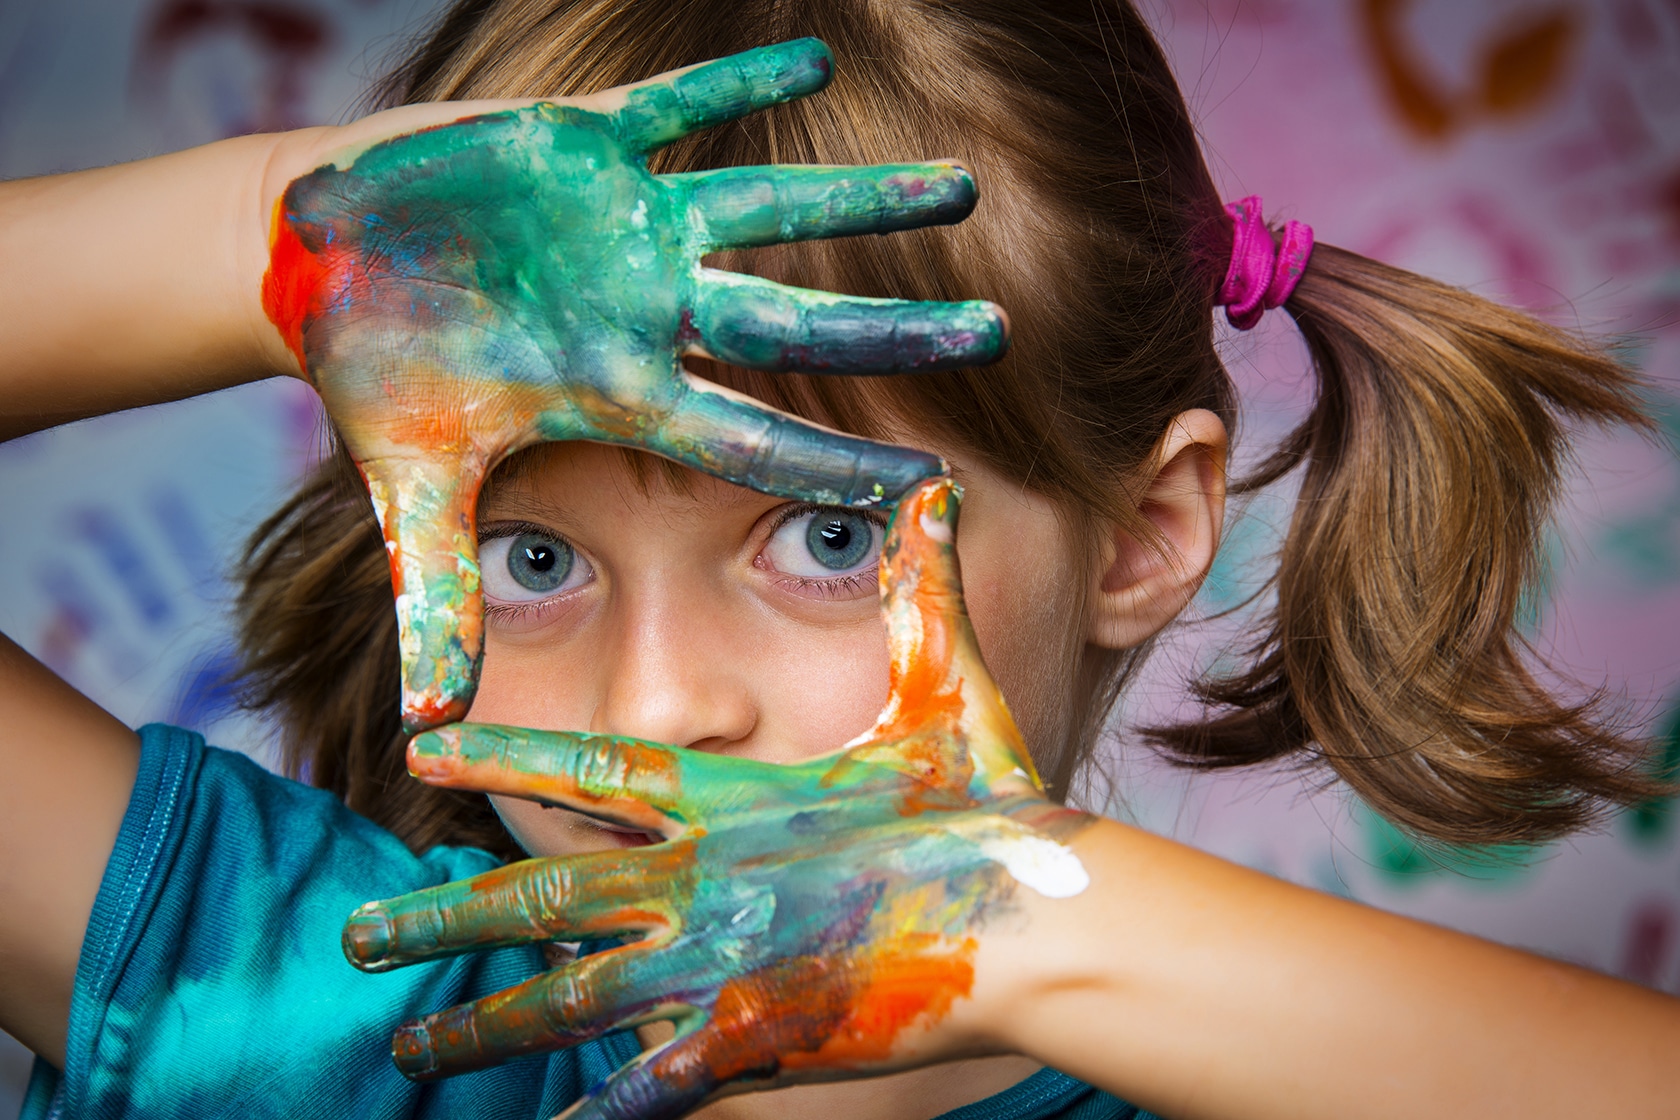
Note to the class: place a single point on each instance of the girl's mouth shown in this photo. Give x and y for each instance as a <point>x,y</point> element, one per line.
<point>621,836</point>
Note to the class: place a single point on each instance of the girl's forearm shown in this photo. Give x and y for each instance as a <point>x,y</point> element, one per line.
<point>139,283</point>
<point>1202,989</point>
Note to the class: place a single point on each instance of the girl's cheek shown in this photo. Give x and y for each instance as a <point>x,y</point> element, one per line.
<point>1022,583</point>
<point>519,685</point>
<point>829,698</point>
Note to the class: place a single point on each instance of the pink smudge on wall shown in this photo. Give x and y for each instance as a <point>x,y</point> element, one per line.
<point>289,38</point>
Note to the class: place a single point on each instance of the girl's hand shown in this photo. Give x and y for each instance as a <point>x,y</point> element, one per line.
<point>797,923</point>
<point>459,292</point>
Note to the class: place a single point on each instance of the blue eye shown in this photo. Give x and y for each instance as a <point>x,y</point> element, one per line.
<point>538,563</point>
<point>823,543</point>
<point>838,541</point>
<point>525,567</point>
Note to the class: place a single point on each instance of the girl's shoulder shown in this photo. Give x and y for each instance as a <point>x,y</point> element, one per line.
<point>211,980</point>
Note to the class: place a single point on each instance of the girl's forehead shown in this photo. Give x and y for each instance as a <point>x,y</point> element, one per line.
<point>564,474</point>
<point>570,477</point>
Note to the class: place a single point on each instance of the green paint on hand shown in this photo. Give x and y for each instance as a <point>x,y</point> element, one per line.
<point>458,293</point>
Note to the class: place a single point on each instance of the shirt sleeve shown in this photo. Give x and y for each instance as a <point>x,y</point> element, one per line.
<point>211,981</point>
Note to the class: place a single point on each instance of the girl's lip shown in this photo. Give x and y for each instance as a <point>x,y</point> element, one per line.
<point>625,837</point>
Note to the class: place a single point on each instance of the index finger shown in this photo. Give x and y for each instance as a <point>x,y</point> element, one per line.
<point>631,782</point>
<point>670,106</point>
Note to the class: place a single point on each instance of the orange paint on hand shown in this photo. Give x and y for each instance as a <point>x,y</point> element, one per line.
<point>918,979</point>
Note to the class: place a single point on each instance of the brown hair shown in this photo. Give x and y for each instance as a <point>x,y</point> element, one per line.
<point>1431,455</point>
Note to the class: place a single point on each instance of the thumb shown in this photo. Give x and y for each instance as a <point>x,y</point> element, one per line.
<point>427,511</point>
<point>938,680</point>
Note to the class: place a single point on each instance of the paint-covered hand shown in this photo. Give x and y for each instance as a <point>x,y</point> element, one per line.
<point>458,292</point>
<point>803,922</point>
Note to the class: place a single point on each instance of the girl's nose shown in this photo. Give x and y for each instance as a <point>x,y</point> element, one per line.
<point>668,676</point>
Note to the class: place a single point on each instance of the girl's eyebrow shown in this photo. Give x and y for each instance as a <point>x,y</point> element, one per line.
<point>517,503</point>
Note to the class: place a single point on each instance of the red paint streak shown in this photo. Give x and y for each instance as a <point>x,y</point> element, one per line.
<point>394,555</point>
<point>292,285</point>
<point>428,709</point>
<point>686,330</point>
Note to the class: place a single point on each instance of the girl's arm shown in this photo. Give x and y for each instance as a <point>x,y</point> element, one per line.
<point>119,287</point>
<point>69,766</point>
<point>138,283</point>
<point>1198,988</point>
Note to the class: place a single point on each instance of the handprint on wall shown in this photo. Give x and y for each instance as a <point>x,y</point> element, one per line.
<point>1516,70</point>
<point>287,38</point>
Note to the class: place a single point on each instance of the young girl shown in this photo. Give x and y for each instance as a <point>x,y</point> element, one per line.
<point>172,917</point>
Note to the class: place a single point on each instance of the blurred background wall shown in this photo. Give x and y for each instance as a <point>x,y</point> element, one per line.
<point>1528,149</point>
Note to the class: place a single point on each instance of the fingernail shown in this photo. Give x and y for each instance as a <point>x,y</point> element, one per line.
<point>973,332</point>
<point>412,1050</point>
<point>434,705</point>
<point>434,754</point>
<point>941,501</point>
<point>429,746</point>
<point>934,193</point>
<point>367,936</point>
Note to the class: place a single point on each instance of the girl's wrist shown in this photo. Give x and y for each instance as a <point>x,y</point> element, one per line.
<point>1053,952</point>
<point>275,161</point>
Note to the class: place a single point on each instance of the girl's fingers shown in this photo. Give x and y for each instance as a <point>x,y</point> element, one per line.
<point>737,439</point>
<point>743,207</point>
<point>426,509</point>
<point>662,1085</point>
<point>575,898</point>
<point>600,993</point>
<point>759,324</point>
<point>936,673</point>
<point>625,781</point>
<point>671,106</point>
<point>637,784</point>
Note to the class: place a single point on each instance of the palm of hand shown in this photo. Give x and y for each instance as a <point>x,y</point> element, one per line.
<point>803,922</point>
<point>463,291</point>
<point>530,280</point>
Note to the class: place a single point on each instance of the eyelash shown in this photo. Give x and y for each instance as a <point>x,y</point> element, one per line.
<point>518,612</point>
<point>852,585</point>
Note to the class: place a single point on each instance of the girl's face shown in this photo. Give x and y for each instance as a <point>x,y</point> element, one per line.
<point>719,619</point>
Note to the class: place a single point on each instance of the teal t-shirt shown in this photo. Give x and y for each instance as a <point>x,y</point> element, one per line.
<point>211,982</point>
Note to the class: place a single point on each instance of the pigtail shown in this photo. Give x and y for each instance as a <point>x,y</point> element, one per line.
<point>1432,460</point>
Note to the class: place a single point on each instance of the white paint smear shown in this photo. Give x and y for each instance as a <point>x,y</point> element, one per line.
<point>1038,862</point>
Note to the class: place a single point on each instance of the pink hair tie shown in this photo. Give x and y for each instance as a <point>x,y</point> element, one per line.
<point>1261,275</point>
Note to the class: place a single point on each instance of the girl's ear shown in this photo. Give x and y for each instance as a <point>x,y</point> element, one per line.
<point>1143,584</point>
